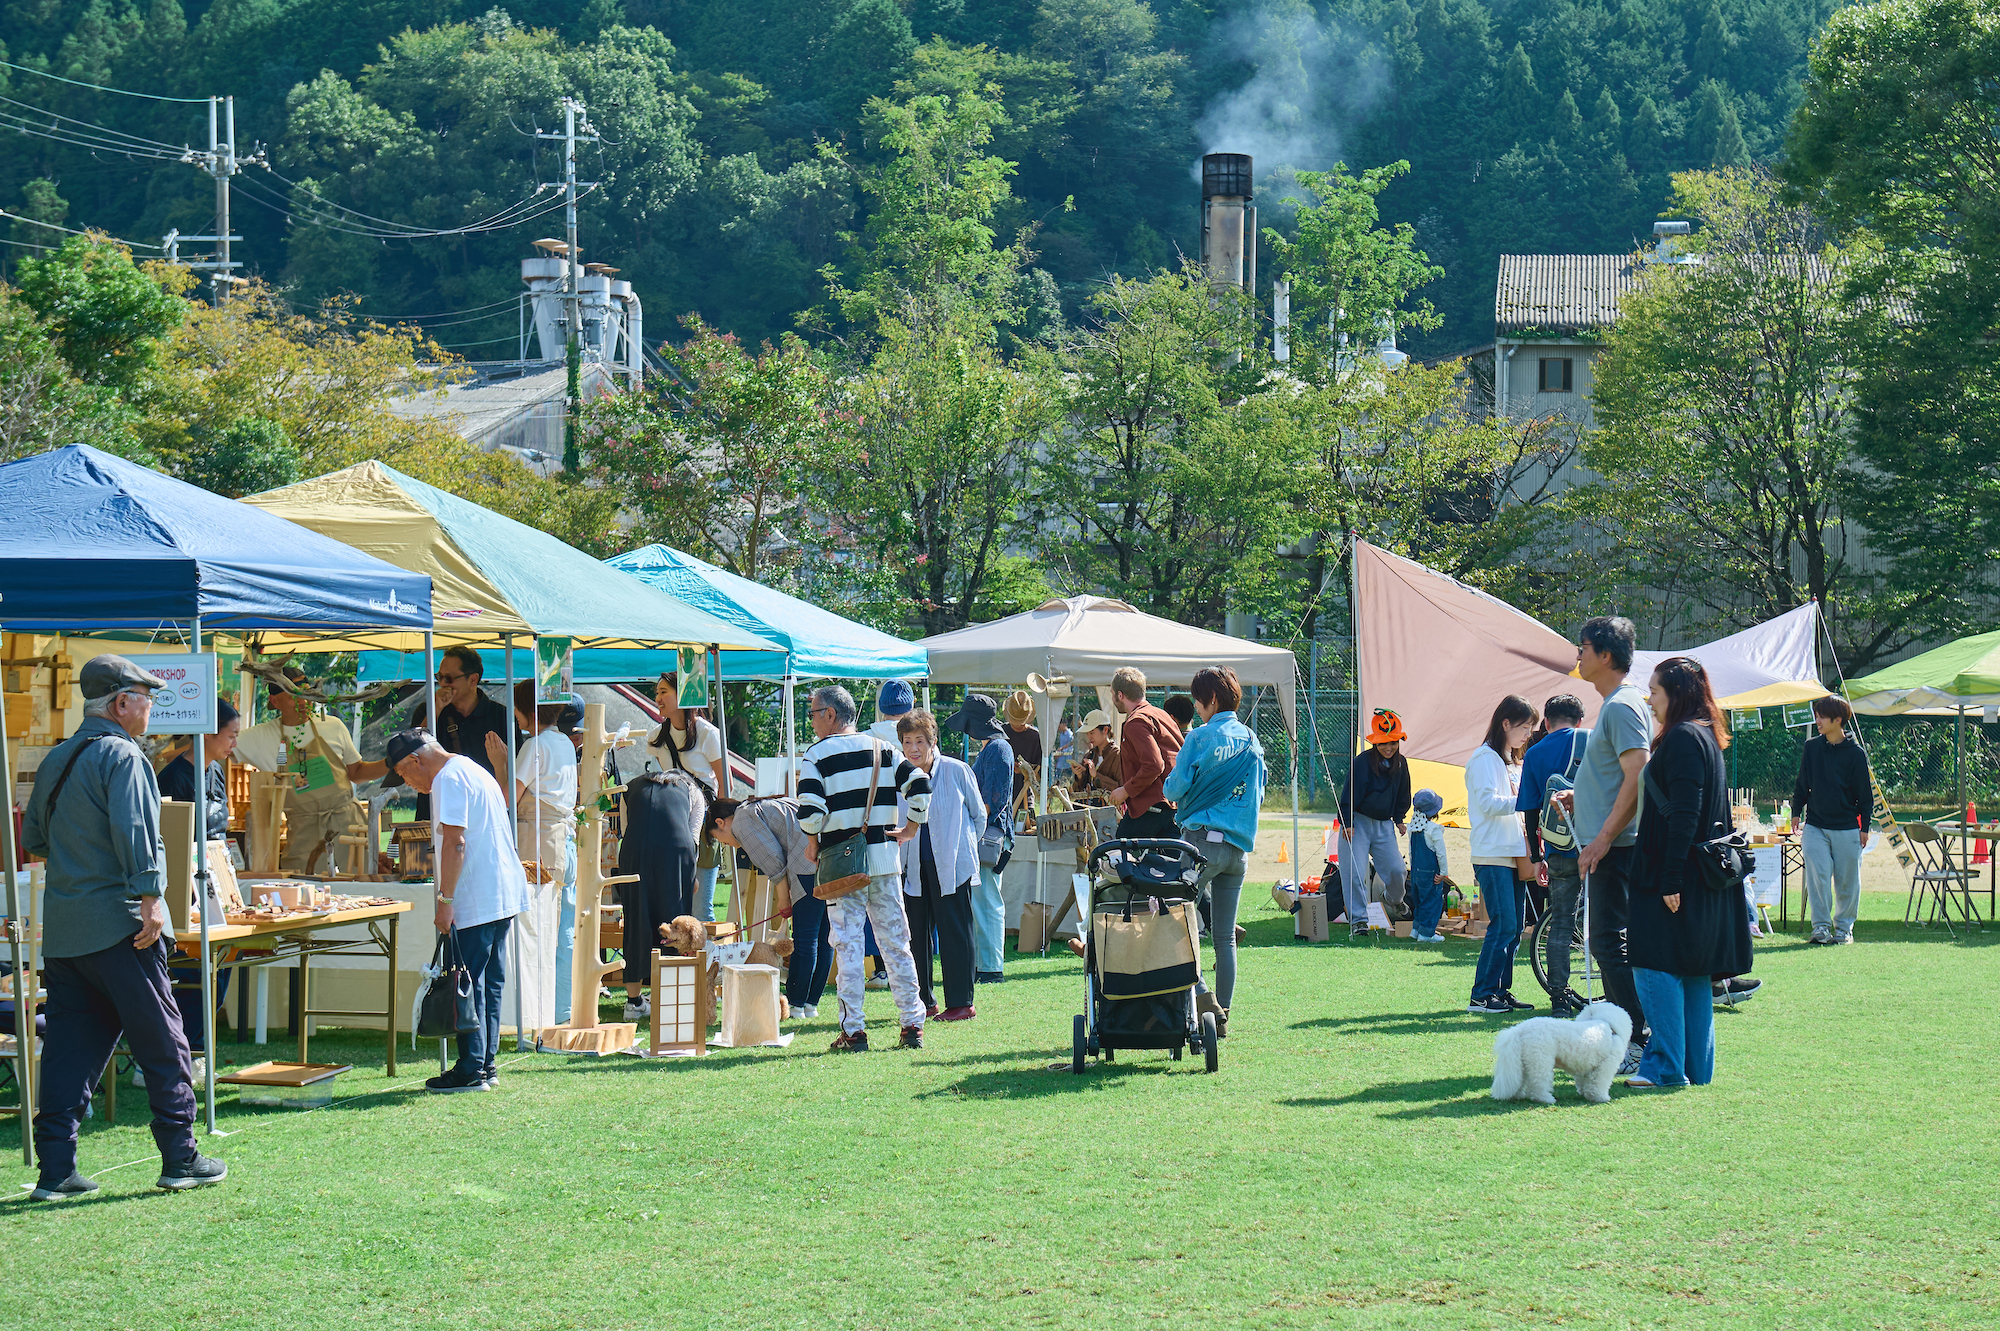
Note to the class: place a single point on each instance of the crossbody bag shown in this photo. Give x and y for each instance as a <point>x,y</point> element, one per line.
<point>843,866</point>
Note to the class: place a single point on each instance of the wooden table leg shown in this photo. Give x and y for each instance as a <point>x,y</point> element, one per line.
<point>305,1022</point>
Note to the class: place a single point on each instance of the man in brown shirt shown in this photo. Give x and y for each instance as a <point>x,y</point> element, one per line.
<point>1147,747</point>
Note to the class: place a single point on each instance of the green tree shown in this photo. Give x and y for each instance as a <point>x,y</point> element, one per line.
<point>717,459</point>
<point>246,456</point>
<point>1894,136</point>
<point>105,316</point>
<point>1724,402</point>
<point>42,405</point>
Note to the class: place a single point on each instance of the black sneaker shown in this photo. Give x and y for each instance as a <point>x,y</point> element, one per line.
<point>76,1185</point>
<point>1357,934</point>
<point>844,1043</point>
<point>1516,1005</point>
<point>196,1173</point>
<point>454,1081</point>
<point>988,977</point>
<point>1739,990</point>
<point>1574,999</point>
<point>1560,1006</point>
<point>1488,1007</point>
<point>912,1038</point>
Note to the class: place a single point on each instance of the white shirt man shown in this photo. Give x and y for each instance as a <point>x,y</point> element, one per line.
<point>319,756</point>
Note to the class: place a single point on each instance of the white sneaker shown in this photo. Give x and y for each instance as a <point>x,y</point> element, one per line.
<point>877,981</point>
<point>200,1070</point>
<point>805,1012</point>
<point>1430,938</point>
<point>642,1008</point>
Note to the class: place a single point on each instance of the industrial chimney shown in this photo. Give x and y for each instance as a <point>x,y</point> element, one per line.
<point>1228,222</point>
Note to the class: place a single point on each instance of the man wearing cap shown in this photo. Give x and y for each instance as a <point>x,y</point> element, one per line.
<point>895,701</point>
<point>992,770</point>
<point>480,886</point>
<point>95,817</point>
<point>1148,743</point>
<point>317,756</point>
<point>1374,810</point>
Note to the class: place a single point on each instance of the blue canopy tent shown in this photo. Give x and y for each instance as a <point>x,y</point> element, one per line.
<point>93,542</point>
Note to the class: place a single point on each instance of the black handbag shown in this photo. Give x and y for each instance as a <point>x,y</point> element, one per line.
<point>444,1008</point>
<point>1724,861</point>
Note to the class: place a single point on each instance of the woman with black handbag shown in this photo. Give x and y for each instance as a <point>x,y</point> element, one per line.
<point>1687,926</point>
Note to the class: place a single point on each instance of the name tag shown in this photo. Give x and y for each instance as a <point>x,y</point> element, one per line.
<point>1214,835</point>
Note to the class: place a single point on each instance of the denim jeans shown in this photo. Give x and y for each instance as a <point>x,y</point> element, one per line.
<point>989,923</point>
<point>1565,883</point>
<point>1429,903</point>
<point>1222,879</point>
<point>812,949</point>
<point>1682,1010</point>
<point>566,937</point>
<point>704,893</point>
<point>483,949</point>
<point>1833,878</point>
<point>1495,973</point>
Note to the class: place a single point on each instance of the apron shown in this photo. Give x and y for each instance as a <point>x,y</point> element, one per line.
<point>543,832</point>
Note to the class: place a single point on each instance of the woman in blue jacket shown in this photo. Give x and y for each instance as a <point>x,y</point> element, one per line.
<point>1217,787</point>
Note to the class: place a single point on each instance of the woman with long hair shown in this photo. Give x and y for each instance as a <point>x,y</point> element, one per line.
<point>1682,935</point>
<point>1499,850</point>
<point>686,742</point>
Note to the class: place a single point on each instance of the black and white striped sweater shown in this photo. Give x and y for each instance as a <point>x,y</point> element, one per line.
<point>833,787</point>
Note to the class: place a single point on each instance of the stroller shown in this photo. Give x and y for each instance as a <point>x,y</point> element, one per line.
<point>1124,1010</point>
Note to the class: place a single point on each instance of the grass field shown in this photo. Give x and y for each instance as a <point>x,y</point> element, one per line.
<point>1345,1167</point>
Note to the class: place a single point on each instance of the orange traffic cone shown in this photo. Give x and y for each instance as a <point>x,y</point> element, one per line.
<point>1285,856</point>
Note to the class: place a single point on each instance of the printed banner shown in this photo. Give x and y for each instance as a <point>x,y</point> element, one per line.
<point>555,667</point>
<point>693,675</point>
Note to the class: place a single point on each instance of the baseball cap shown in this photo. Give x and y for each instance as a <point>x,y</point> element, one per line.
<point>401,745</point>
<point>107,674</point>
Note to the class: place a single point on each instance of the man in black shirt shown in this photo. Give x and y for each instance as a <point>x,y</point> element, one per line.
<point>1834,796</point>
<point>465,715</point>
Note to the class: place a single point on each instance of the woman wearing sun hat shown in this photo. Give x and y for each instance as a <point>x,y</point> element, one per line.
<point>1098,768</point>
<point>1374,808</point>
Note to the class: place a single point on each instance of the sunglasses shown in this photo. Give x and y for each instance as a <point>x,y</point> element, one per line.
<point>448,679</point>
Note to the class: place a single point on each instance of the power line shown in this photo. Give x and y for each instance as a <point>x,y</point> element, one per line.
<point>99,87</point>
<point>86,125</point>
<point>33,221</point>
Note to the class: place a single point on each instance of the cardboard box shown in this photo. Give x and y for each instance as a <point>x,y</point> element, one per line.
<point>1310,923</point>
<point>1401,928</point>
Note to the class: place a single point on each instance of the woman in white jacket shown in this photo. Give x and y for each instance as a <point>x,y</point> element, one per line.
<point>1499,850</point>
<point>938,877</point>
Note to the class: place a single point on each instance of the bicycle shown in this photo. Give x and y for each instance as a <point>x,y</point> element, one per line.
<point>1538,944</point>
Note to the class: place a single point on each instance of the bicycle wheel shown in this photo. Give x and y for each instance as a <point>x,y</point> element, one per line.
<point>1538,951</point>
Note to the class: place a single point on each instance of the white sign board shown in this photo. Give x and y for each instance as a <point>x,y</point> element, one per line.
<point>187,705</point>
<point>1766,879</point>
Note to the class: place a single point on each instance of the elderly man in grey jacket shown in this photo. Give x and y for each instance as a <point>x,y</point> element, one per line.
<point>95,817</point>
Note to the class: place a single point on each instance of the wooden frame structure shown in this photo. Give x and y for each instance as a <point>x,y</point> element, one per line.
<point>582,1033</point>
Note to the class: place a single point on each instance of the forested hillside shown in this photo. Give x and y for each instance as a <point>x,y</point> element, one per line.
<point>730,130</point>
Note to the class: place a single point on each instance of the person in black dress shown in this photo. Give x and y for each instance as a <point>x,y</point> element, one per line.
<point>662,827</point>
<point>1682,935</point>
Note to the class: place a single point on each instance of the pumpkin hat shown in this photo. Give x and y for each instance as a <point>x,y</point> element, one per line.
<point>1386,727</point>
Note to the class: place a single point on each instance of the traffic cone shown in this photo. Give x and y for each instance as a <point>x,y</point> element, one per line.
<point>1285,856</point>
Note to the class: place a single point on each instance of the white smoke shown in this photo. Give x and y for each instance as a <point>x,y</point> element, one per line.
<point>1310,81</point>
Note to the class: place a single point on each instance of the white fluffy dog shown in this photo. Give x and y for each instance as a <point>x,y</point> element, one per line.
<point>1526,1055</point>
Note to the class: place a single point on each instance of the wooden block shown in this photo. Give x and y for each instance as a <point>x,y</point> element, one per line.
<point>20,713</point>
<point>611,1038</point>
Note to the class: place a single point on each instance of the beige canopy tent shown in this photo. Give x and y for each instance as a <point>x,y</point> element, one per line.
<point>1082,640</point>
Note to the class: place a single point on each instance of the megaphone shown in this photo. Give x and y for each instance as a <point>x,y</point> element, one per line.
<point>1055,686</point>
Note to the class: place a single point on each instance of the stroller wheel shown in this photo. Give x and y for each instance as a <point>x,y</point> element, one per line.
<point>1076,1045</point>
<point>1209,1039</point>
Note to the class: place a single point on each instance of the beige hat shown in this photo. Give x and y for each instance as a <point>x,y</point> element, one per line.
<point>1098,717</point>
<point>1020,708</point>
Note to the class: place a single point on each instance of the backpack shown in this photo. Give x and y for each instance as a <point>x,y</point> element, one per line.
<point>1558,833</point>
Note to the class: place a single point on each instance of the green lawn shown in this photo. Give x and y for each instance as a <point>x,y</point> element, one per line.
<point>1344,1168</point>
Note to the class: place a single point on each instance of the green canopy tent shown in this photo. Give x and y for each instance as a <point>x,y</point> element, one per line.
<point>1950,680</point>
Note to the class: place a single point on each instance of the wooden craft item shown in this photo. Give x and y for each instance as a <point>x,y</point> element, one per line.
<point>749,1006</point>
<point>266,825</point>
<point>275,1073</point>
<point>680,1016</point>
<point>611,1037</point>
<point>177,831</point>
<point>586,970</point>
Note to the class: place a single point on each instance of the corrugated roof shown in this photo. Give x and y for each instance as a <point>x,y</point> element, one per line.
<point>1560,295</point>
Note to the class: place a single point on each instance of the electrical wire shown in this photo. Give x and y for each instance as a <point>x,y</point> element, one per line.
<point>515,215</point>
<point>20,126</point>
<point>99,87</point>
<point>137,139</point>
<point>31,221</point>
<point>494,222</point>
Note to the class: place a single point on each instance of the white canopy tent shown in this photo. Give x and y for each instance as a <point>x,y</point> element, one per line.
<point>1082,640</point>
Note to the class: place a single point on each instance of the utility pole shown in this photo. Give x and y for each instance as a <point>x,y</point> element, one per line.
<point>573,111</point>
<point>221,162</point>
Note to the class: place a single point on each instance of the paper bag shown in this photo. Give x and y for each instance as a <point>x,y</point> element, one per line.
<point>1036,917</point>
<point>1285,897</point>
<point>1310,923</point>
<point>749,1006</point>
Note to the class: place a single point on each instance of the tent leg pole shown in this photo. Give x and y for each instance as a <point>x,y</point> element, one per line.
<point>514,822</point>
<point>791,692</point>
<point>199,759</point>
<point>431,724</point>
<point>721,725</point>
<point>24,1025</point>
